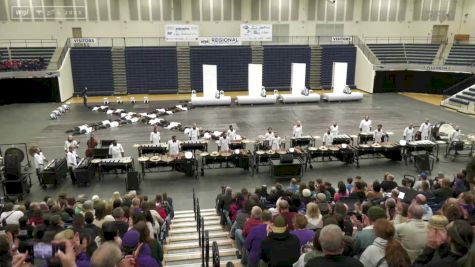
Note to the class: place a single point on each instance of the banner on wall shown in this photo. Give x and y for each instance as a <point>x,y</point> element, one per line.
<point>181,33</point>
<point>83,41</point>
<point>342,38</point>
<point>256,32</point>
<point>219,41</point>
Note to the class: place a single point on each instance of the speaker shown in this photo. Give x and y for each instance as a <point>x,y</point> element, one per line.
<point>12,167</point>
<point>133,181</point>
<point>286,158</point>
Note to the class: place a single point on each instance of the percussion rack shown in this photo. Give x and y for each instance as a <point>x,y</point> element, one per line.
<point>428,147</point>
<point>105,166</point>
<point>390,151</point>
<point>155,164</point>
<point>318,155</point>
<point>261,158</point>
<point>226,160</point>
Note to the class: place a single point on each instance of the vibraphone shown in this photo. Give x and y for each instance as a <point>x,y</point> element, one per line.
<point>193,146</point>
<point>363,138</point>
<point>54,172</point>
<point>389,150</point>
<point>221,160</point>
<point>303,141</point>
<point>342,139</point>
<point>85,171</point>
<point>261,158</point>
<point>414,148</point>
<point>286,170</point>
<point>144,149</point>
<point>344,154</point>
<point>105,166</point>
<point>166,163</point>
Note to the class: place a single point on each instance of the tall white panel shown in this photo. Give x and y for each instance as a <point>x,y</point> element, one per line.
<point>255,79</point>
<point>210,81</point>
<point>339,76</point>
<point>297,80</point>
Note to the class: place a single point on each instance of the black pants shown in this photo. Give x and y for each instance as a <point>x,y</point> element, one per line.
<point>71,174</point>
<point>40,177</point>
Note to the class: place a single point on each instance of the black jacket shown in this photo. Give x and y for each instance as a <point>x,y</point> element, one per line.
<point>280,250</point>
<point>445,258</point>
<point>387,186</point>
<point>334,261</point>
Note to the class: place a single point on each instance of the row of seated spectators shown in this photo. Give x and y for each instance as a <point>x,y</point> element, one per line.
<point>123,231</point>
<point>356,224</point>
<point>23,64</point>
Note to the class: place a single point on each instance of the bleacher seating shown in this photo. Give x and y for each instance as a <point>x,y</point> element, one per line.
<point>278,60</point>
<point>25,53</point>
<point>92,68</point>
<point>3,54</point>
<point>232,64</point>
<point>405,53</point>
<point>151,70</point>
<point>461,54</point>
<point>463,98</point>
<point>25,58</point>
<point>338,53</point>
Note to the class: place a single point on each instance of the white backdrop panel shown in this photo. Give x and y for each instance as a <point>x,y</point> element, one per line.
<point>210,81</point>
<point>297,81</point>
<point>255,79</point>
<point>339,77</point>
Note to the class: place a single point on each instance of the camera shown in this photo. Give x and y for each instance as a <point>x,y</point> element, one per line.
<point>40,250</point>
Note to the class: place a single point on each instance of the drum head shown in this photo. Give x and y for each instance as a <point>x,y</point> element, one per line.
<point>312,148</point>
<point>281,152</point>
<point>188,155</point>
<point>270,152</point>
<point>204,154</point>
<point>15,151</point>
<point>260,152</point>
<point>136,145</point>
<point>323,148</point>
<point>143,159</point>
<point>215,153</point>
<point>291,150</point>
<point>445,130</point>
<point>95,161</point>
<point>155,159</point>
<point>125,160</point>
<point>225,153</point>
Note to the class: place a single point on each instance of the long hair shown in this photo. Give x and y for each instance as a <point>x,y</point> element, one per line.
<point>395,254</point>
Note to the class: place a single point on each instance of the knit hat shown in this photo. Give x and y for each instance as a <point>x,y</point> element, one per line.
<point>306,192</point>
<point>130,240</point>
<point>438,222</point>
<point>321,197</point>
<point>280,225</point>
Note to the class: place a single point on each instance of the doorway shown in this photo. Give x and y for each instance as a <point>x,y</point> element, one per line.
<point>439,34</point>
<point>77,33</point>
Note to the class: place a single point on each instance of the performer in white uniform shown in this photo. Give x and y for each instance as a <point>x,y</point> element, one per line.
<point>224,143</point>
<point>72,163</point>
<point>297,131</point>
<point>454,140</point>
<point>334,129</point>
<point>365,125</point>
<point>70,142</point>
<point>269,135</point>
<point>409,133</point>
<point>231,133</point>
<point>155,136</point>
<point>40,162</point>
<point>275,142</point>
<point>425,130</point>
<point>456,135</point>
<point>379,135</point>
<point>116,151</point>
<point>327,138</point>
<point>194,133</point>
<point>173,146</point>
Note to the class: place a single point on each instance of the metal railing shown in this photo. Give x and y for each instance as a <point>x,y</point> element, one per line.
<point>405,40</point>
<point>28,43</point>
<point>206,258</point>
<point>216,259</point>
<point>365,50</point>
<point>62,56</point>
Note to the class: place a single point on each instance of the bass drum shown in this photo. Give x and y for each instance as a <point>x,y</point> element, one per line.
<point>442,131</point>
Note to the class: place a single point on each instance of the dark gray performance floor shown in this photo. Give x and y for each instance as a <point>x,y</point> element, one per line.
<point>30,123</point>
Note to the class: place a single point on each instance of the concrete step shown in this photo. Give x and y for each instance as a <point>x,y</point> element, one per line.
<point>195,244</point>
<point>192,219</point>
<point>236,262</point>
<point>194,236</point>
<point>196,255</point>
<point>176,225</point>
<point>187,230</point>
<point>191,211</point>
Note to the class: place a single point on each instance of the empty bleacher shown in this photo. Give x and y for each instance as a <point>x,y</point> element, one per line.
<point>151,70</point>
<point>338,53</point>
<point>3,54</point>
<point>25,53</point>
<point>232,64</point>
<point>461,54</point>
<point>278,60</point>
<point>405,53</point>
<point>462,100</point>
<point>92,68</point>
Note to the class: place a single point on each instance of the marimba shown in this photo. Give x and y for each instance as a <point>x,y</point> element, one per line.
<point>54,172</point>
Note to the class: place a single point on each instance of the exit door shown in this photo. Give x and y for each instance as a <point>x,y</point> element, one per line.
<point>439,34</point>
<point>77,33</point>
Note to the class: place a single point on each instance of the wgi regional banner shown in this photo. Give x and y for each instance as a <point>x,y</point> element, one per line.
<point>181,32</point>
<point>256,32</point>
<point>219,41</point>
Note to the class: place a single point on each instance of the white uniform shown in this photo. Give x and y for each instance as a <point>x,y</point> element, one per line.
<point>425,131</point>
<point>297,132</point>
<point>155,138</point>
<point>193,134</point>
<point>71,159</point>
<point>334,130</point>
<point>455,136</point>
<point>408,134</point>
<point>232,134</point>
<point>67,144</point>
<point>268,136</point>
<point>224,143</point>
<point>378,136</point>
<point>327,139</point>
<point>275,142</point>
<point>40,161</point>
<point>365,126</point>
<point>116,151</point>
<point>173,147</point>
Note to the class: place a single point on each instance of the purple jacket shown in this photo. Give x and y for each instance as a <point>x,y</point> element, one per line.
<point>82,260</point>
<point>145,258</point>
<point>253,244</point>
<point>304,235</point>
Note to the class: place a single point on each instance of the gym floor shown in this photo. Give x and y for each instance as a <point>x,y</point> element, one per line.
<point>30,123</point>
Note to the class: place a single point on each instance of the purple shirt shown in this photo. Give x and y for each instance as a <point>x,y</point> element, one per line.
<point>304,235</point>
<point>253,244</point>
<point>82,260</point>
<point>145,258</point>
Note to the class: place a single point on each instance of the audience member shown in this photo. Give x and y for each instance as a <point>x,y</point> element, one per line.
<point>365,237</point>
<point>255,237</point>
<point>280,248</point>
<point>388,184</point>
<point>412,233</point>
<point>314,218</point>
<point>304,235</point>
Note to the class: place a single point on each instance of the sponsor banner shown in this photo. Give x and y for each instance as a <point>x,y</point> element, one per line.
<point>83,41</point>
<point>256,32</point>
<point>48,12</point>
<point>181,33</point>
<point>219,41</point>
<point>342,38</point>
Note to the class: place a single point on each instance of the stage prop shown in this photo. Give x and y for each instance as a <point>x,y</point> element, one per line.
<point>211,95</point>
<point>257,93</point>
<point>340,90</point>
<point>299,92</point>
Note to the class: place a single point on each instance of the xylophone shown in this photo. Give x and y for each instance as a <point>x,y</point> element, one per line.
<point>343,152</point>
<point>194,145</point>
<point>302,141</point>
<point>342,139</point>
<point>414,148</point>
<point>144,149</point>
<point>238,158</point>
<point>54,172</point>
<point>84,172</point>
<point>183,162</point>
<point>363,138</point>
<point>107,165</point>
<point>389,150</point>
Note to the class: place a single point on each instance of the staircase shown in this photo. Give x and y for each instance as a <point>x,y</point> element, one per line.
<point>53,63</point>
<point>118,71</point>
<point>316,67</point>
<point>183,66</point>
<point>257,54</point>
<point>182,245</point>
